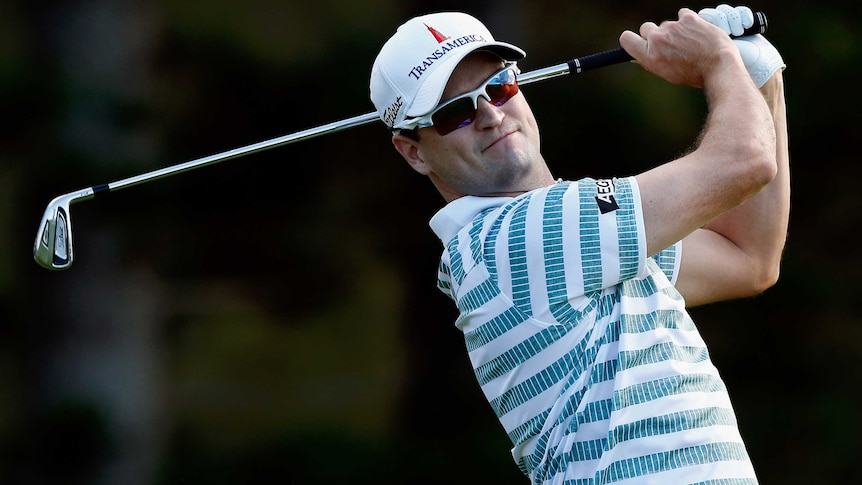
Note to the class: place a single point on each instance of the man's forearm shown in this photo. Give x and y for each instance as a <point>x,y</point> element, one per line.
<point>759,226</point>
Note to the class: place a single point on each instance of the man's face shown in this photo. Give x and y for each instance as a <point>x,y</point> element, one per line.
<point>496,154</point>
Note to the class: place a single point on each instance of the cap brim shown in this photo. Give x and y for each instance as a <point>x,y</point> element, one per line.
<point>432,89</point>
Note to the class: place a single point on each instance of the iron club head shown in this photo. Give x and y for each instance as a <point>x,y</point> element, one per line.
<point>53,246</point>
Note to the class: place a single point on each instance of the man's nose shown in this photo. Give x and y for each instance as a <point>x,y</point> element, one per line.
<point>487,115</point>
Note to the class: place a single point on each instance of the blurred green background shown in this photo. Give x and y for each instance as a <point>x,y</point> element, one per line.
<point>274,319</point>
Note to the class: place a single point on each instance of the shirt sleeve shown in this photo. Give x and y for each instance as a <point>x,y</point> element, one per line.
<point>444,277</point>
<point>668,261</point>
<point>602,232</point>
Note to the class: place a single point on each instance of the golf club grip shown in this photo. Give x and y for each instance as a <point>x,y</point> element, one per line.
<point>616,56</point>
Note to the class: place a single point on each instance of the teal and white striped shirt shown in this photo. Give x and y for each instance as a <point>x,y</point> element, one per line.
<point>581,343</point>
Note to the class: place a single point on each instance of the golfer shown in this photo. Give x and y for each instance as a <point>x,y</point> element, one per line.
<point>572,294</point>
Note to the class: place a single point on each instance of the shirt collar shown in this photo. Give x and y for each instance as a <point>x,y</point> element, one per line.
<point>456,214</point>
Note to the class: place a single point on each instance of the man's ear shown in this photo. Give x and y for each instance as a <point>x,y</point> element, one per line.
<point>409,149</point>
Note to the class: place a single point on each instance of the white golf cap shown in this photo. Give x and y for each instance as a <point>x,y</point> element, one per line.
<point>414,65</point>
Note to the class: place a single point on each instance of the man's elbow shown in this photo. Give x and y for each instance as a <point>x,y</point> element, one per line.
<point>769,279</point>
<point>764,278</point>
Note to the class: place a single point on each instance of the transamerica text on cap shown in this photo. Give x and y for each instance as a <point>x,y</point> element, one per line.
<point>417,71</point>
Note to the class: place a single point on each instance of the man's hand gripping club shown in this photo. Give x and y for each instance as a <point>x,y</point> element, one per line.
<point>760,57</point>
<point>688,51</point>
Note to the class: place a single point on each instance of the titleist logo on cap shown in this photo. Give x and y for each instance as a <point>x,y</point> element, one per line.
<point>391,113</point>
<point>437,54</point>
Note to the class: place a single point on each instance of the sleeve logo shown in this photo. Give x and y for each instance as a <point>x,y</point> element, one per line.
<point>605,196</point>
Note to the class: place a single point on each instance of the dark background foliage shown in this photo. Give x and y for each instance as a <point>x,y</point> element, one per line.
<point>274,318</point>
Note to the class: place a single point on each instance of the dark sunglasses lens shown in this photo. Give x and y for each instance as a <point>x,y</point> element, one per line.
<point>453,116</point>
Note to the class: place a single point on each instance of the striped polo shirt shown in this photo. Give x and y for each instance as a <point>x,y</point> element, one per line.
<point>580,342</point>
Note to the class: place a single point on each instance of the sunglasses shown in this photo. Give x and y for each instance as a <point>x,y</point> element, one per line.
<point>460,111</point>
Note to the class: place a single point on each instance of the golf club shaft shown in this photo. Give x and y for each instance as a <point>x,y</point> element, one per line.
<point>53,246</point>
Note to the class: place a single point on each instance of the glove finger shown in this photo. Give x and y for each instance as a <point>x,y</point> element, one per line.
<point>734,20</point>
<point>746,15</point>
<point>715,17</point>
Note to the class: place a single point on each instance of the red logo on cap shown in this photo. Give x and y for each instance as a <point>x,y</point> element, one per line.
<point>437,35</point>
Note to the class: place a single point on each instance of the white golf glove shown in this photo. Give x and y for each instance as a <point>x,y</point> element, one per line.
<point>760,57</point>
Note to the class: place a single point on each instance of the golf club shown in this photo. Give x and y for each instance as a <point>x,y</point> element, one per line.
<point>53,247</point>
